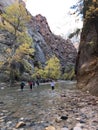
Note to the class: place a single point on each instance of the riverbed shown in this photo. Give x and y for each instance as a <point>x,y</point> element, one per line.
<point>64,108</point>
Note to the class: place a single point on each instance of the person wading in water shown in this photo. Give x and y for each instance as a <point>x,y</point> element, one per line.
<point>22,84</point>
<point>52,84</point>
<point>30,84</point>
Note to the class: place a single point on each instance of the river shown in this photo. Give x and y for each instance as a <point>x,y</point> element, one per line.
<point>43,107</point>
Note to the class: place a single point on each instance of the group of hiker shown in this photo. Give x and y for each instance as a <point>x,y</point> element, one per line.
<point>30,83</point>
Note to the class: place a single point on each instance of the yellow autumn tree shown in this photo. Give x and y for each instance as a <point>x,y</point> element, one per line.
<point>52,68</point>
<point>15,19</point>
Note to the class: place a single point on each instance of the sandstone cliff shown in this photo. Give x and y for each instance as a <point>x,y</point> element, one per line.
<point>87,60</point>
<point>45,42</point>
<point>62,48</point>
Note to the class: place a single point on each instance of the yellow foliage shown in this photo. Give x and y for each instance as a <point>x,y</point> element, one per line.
<point>52,68</point>
<point>6,26</point>
<point>40,72</point>
<point>69,75</point>
<point>16,15</point>
<point>24,49</point>
<point>15,18</point>
<point>27,66</point>
<point>1,63</point>
<point>92,11</point>
<point>8,51</point>
<point>23,37</point>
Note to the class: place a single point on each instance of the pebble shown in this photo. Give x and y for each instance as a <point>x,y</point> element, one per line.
<point>77,128</point>
<point>50,128</point>
<point>65,128</point>
<point>58,119</point>
<point>9,124</point>
<point>20,124</point>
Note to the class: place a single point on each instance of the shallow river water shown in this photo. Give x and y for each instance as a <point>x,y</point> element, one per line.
<point>43,107</point>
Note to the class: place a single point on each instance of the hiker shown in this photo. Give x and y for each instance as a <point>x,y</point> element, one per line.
<point>22,84</point>
<point>52,84</point>
<point>37,82</point>
<point>30,84</point>
<point>37,79</point>
<point>33,83</point>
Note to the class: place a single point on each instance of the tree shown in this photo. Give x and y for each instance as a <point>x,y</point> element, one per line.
<point>52,68</point>
<point>15,20</point>
<point>77,11</point>
<point>85,9</point>
<point>76,33</point>
<point>69,74</point>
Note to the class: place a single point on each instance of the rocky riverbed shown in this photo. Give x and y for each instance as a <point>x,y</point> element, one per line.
<point>64,108</point>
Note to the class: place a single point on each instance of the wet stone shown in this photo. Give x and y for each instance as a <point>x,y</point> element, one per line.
<point>64,128</point>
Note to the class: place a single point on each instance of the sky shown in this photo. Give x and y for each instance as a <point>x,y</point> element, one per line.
<point>57,14</point>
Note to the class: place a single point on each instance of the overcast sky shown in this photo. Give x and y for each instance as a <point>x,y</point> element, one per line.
<point>56,13</point>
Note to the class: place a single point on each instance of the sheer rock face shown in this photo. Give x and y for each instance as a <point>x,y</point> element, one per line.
<point>63,49</point>
<point>87,60</point>
<point>5,3</point>
<point>45,42</point>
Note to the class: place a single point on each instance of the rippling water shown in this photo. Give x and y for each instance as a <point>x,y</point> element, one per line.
<point>39,105</point>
